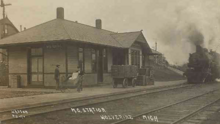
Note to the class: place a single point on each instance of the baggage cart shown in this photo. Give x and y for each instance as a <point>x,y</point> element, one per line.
<point>145,76</point>
<point>125,75</point>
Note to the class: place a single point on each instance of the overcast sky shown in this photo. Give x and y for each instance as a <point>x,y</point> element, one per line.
<point>171,23</point>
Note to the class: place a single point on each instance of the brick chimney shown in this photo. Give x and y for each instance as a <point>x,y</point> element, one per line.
<point>98,24</point>
<point>60,13</point>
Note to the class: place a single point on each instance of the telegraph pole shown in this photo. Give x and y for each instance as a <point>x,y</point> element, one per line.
<point>3,5</point>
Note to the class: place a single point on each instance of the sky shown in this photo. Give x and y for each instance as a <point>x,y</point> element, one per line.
<point>176,25</point>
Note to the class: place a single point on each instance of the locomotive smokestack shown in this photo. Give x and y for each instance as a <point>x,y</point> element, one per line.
<point>198,49</point>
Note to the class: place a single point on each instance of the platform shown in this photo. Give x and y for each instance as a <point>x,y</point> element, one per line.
<point>72,94</point>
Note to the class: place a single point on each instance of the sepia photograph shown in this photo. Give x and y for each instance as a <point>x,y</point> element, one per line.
<point>110,62</point>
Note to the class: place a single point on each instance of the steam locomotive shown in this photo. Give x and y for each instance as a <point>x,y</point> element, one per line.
<point>203,66</point>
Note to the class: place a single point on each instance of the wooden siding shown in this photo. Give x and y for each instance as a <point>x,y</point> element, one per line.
<point>90,79</point>
<point>17,65</point>
<point>136,46</point>
<point>72,58</point>
<point>50,81</point>
<point>13,80</point>
<point>53,57</point>
<point>107,79</point>
<point>88,60</point>
<point>17,60</point>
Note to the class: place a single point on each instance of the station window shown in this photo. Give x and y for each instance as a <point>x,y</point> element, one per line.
<point>6,29</point>
<point>135,57</point>
<point>81,58</point>
<point>105,60</point>
<point>94,60</point>
<point>36,65</point>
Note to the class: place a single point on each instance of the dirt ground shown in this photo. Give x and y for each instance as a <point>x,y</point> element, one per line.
<point>130,106</point>
<point>10,94</point>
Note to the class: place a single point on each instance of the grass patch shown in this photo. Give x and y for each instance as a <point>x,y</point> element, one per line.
<point>165,74</point>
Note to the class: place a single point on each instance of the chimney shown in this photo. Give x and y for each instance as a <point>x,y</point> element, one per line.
<point>155,46</point>
<point>98,24</point>
<point>60,13</point>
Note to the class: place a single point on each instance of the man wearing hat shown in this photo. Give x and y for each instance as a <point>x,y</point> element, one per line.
<point>57,76</point>
<point>80,79</point>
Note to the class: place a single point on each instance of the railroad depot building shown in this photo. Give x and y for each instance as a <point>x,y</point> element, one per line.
<point>34,53</point>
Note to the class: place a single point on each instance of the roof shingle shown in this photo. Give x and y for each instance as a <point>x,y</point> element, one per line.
<point>126,39</point>
<point>62,30</point>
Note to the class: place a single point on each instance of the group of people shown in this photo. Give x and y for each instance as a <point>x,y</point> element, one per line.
<point>79,78</point>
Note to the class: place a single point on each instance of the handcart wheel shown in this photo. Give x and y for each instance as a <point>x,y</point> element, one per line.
<point>134,82</point>
<point>125,83</point>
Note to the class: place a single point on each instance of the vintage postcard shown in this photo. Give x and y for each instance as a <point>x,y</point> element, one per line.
<point>109,61</point>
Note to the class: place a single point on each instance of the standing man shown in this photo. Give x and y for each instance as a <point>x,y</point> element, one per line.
<point>80,79</point>
<point>57,76</point>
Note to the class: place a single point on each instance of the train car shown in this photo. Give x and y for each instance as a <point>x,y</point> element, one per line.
<point>203,66</point>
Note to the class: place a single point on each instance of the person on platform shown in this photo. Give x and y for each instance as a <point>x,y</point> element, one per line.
<point>80,79</point>
<point>57,76</point>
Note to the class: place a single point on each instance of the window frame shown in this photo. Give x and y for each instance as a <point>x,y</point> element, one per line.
<point>6,29</point>
<point>135,57</point>
<point>83,57</point>
<point>93,52</point>
<point>105,60</point>
<point>37,56</point>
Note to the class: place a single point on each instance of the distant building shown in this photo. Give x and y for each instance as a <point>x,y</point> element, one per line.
<point>157,58</point>
<point>35,52</point>
<point>10,29</point>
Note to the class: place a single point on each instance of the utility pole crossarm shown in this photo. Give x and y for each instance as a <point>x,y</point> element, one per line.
<point>7,4</point>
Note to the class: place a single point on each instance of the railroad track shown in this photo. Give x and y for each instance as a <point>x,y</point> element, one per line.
<point>6,115</point>
<point>179,112</point>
